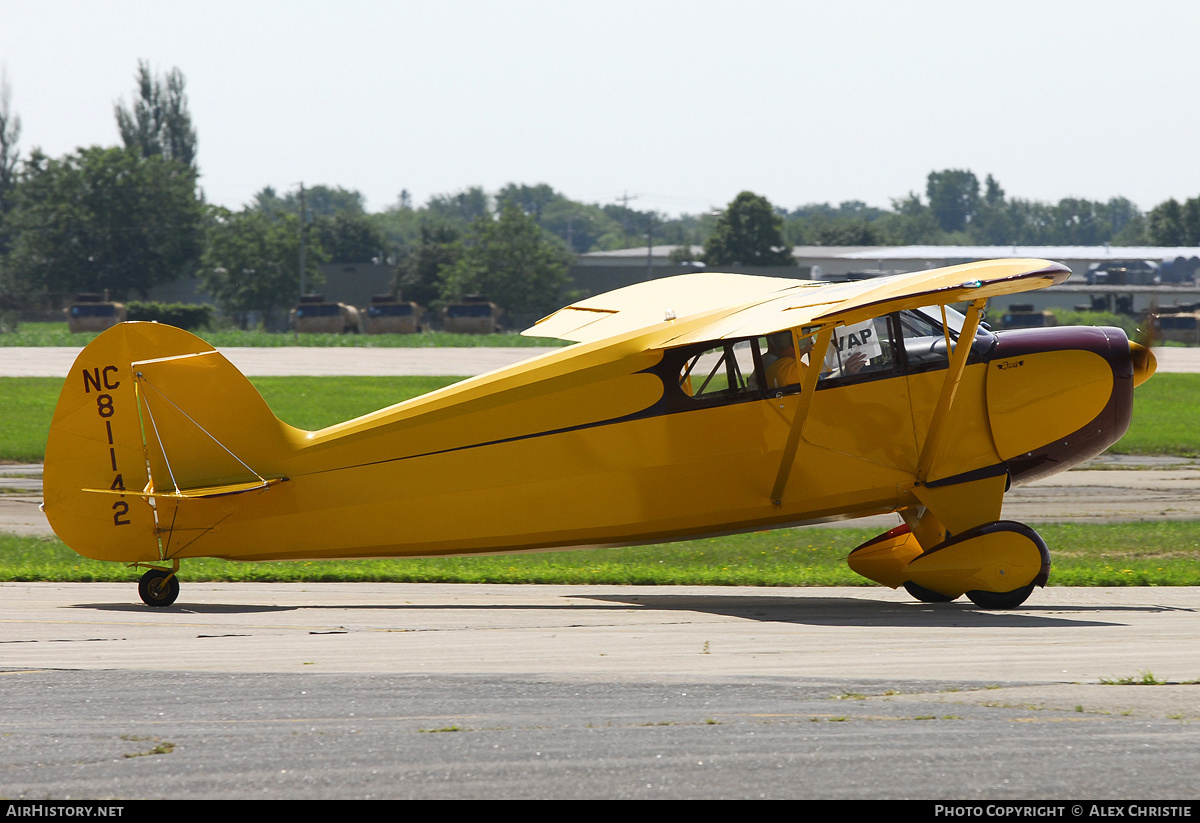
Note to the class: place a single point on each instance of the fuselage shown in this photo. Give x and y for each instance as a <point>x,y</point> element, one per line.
<point>584,451</point>
<point>595,444</point>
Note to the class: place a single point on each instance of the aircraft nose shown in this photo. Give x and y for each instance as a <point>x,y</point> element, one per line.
<point>1144,363</point>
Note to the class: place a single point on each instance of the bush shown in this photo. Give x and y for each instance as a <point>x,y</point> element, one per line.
<point>188,316</point>
<point>1066,317</point>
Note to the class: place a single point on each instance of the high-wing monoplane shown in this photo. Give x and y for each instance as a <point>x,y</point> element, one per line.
<point>688,406</point>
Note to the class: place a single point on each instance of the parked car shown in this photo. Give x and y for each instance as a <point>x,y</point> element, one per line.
<point>314,315</point>
<point>1124,273</point>
<point>472,315</point>
<point>93,312</point>
<point>1177,324</point>
<point>1022,316</point>
<point>388,314</point>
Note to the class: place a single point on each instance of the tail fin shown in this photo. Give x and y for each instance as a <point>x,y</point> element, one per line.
<point>147,413</point>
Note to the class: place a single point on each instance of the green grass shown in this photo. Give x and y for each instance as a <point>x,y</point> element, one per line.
<point>56,334</point>
<point>1164,408</point>
<point>1068,317</point>
<point>1147,553</point>
<point>27,404</point>
<point>1128,554</point>
<point>1165,417</point>
<point>1144,678</point>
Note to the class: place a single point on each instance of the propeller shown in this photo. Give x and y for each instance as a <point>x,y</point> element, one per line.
<point>1144,362</point>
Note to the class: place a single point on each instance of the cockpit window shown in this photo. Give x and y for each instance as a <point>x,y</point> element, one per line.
<point>786,362</point>
<point>863,349</point>
<point>721,371</point>
<point>774,365</point>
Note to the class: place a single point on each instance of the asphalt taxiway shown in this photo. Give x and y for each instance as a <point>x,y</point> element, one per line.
<point>339,691</point>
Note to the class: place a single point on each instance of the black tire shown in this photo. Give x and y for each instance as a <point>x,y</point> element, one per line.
<point>158,588</point>
<point>1000,600</point>
<point>926,595</point>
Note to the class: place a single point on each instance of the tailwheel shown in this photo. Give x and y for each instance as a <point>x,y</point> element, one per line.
<point>1000,600</point>
<point>158,587</point>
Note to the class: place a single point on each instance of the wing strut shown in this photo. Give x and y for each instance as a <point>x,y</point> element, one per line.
<point>815,358</point>
<point>935,439</point>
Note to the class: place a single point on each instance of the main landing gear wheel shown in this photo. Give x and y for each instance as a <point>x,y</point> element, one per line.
<point>1000,600</point>
<point>925,595</point>
<point>158,588</point>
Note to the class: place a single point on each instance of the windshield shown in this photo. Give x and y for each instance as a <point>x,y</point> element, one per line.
<point>925,337</point>
<point>954,319</point>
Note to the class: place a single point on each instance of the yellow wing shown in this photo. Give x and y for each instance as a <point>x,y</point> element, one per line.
<point>715,306</point>
<point>662,301</point>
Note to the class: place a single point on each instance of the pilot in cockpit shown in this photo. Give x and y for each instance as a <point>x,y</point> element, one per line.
<point>789,365</point>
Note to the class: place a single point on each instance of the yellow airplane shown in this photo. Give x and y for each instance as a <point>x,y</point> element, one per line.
<point>689,406</point>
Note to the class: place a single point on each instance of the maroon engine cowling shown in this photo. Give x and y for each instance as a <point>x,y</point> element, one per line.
<point>1106,428</point>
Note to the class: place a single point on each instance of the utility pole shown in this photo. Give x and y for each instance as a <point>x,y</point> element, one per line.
<point>650,247</point>
<point>303,224</point>
<point>625,198</point>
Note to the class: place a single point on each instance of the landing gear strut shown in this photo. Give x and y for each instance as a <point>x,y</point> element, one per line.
<point>158,587</point>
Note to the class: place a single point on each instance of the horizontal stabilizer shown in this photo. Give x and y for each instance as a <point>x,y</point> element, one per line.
<point>199,493</point>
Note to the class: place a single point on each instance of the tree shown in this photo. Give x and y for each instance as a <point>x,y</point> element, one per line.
<point>748,233</point>
<point>251,262</point>
<point>320,201</point>
<point>530,199</point>
<point>349,238</point>
<point>10,133</point>
<point>419,275</point>
<point>158,122</point>
<point>1172,223</point>
<point>461,208</point>
<point>401,229</point>
<point>1190,220</point>
<point>580,226</point>
<point>1165,223</point>
<point>510,260</point>
<point>336,216</point>
<point>270,203</point>
<point>102,218</point>
<point>851,231</point>
<point>953,197</point>
<point>850,223</point>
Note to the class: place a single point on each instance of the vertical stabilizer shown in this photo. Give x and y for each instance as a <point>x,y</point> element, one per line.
<point>148,413</point>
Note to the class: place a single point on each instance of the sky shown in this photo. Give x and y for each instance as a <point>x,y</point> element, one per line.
<point>678,106</point>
